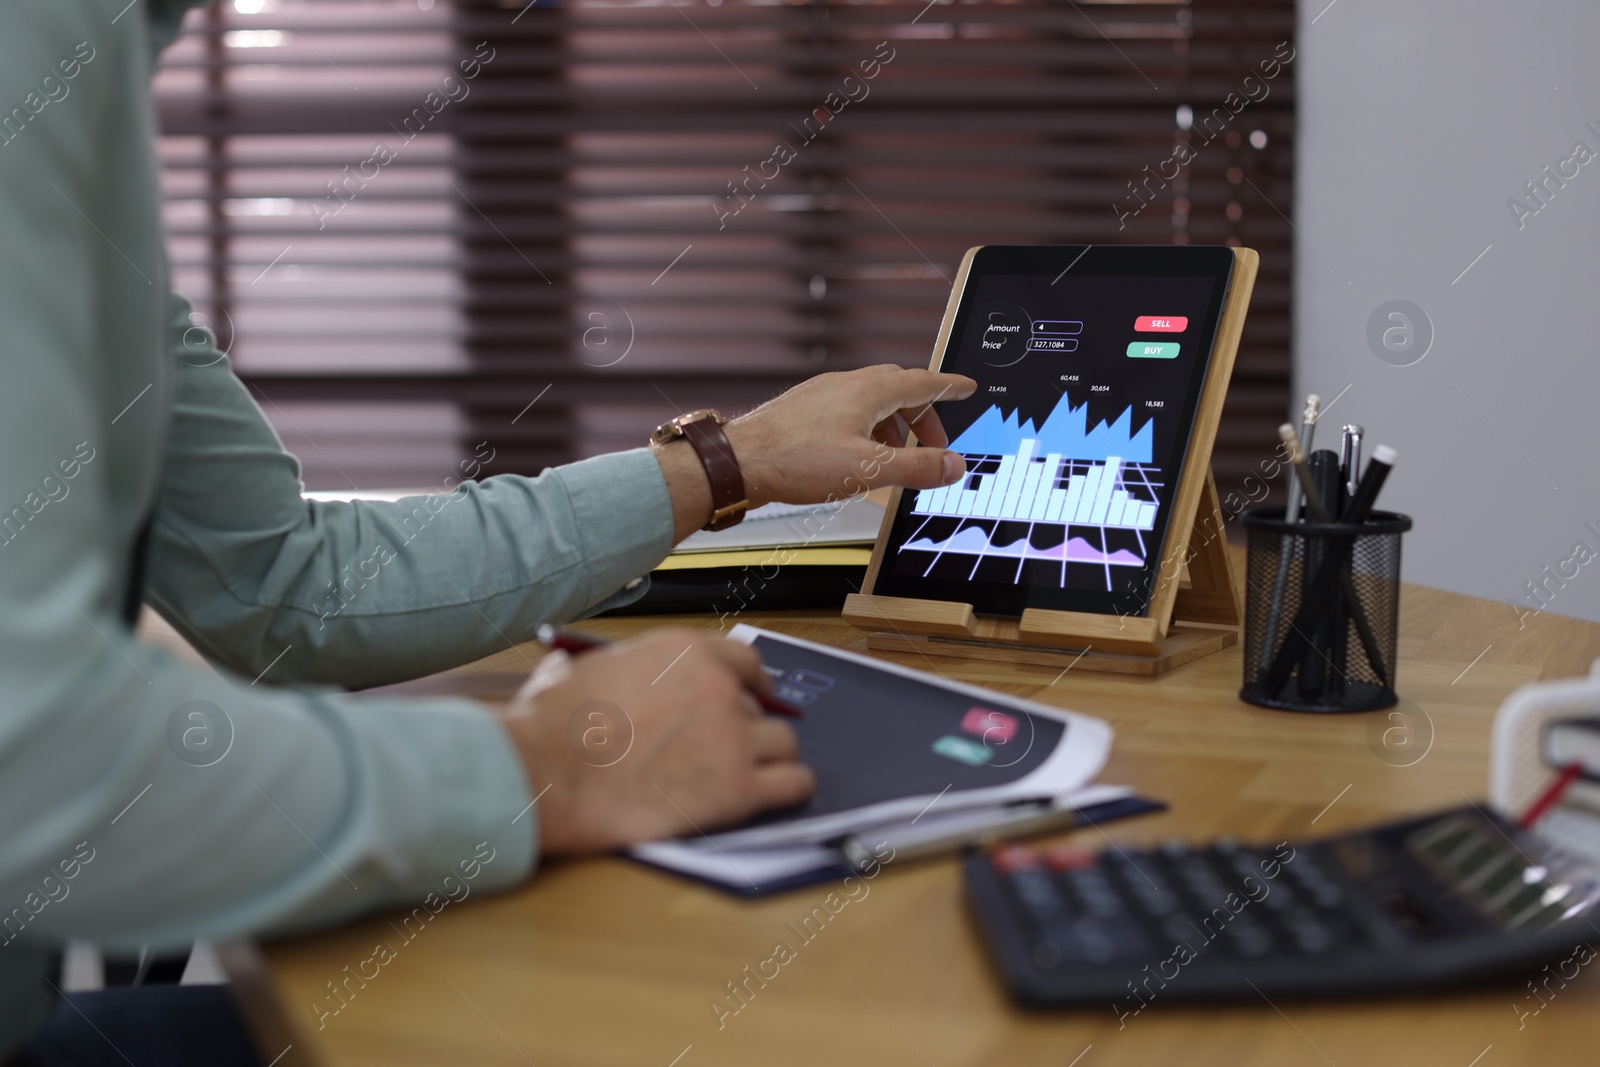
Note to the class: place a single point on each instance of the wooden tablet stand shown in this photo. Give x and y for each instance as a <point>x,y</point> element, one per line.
<point>1186,619</point>
<point>1203,617</point>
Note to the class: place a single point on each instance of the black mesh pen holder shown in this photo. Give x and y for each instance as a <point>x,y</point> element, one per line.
<point>1322,612</point>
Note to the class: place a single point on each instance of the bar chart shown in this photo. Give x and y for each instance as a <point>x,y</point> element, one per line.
<point>1027,488</point>
<point>1060,498</point>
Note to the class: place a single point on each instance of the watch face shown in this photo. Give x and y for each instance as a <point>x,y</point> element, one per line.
<point>672,429</point>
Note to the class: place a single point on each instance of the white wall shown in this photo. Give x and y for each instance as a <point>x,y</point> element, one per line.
<point>1418,121</point>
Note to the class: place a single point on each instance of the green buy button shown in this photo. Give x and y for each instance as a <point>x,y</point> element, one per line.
<point>1153,350</point>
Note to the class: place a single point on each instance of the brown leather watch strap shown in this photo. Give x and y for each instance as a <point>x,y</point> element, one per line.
<point>728,499</point>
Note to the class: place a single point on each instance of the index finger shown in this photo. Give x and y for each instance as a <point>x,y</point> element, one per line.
<point>913,391</point>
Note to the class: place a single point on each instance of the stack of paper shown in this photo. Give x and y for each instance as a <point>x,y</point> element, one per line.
<point>837,534</point>
<point>892,748</point>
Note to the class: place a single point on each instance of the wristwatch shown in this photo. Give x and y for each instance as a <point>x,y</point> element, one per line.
<point>703,430</point>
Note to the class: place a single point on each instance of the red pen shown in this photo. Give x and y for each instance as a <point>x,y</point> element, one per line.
<point>575,643</point>
<point>1548,798</point>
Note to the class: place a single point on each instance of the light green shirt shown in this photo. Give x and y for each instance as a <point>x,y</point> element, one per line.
<point>322,806</point>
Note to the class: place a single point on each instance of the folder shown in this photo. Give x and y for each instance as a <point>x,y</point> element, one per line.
<point>893,748</point>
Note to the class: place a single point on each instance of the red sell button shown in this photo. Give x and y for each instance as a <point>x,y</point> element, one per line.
<point>1161,323</point>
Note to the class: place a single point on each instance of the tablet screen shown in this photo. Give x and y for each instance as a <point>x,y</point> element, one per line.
<point>1089,367</point>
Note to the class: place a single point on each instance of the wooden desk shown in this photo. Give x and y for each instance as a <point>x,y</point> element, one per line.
<point>603,962</point>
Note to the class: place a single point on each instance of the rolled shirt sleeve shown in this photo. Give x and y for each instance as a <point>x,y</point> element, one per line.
<point>366,593</point>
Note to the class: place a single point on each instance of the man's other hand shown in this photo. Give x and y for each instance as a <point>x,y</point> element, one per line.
<point>650,739</point>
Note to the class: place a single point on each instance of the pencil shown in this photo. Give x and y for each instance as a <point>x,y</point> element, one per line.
<point>1291,513</point>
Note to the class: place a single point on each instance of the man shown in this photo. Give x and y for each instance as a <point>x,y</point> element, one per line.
<point>135,469</point>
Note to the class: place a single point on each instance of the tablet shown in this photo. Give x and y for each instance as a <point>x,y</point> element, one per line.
<point>1090,361</point>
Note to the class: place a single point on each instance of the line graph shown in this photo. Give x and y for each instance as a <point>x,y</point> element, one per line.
<point>1065,431</point>
<point>973,541</point>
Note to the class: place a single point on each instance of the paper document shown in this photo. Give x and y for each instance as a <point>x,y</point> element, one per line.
<point>845,522</point>
<point>761,559</point>
<point>892,746</point>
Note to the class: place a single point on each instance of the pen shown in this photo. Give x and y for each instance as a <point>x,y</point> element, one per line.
<point>575,643</point>
<point>1548,798</point>
<point>1350,471</point>
<point>1365,493</point>
<point>1325,474</point>
<point>1344,457</point>
<point>1352,467</point>
<point>915,842</point>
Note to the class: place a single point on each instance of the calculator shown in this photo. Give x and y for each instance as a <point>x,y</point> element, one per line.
<point>1452,898</point>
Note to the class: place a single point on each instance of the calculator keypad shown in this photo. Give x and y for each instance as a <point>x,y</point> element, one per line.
<point>1421,903</point>
<point>1122,907</point>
